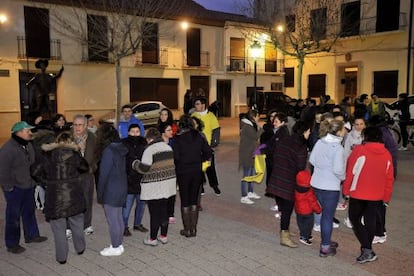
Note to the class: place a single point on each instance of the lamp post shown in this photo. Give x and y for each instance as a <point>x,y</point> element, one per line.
<point>255,48</point>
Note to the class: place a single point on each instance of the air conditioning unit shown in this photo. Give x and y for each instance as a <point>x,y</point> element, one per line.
<point>237,65</point>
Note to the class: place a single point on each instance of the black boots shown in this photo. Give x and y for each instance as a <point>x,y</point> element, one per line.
<point>185,215</point>
<point>190,219</point>
<point>194,220</point>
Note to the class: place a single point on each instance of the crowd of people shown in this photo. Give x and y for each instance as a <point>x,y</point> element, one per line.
<point>317,162</point>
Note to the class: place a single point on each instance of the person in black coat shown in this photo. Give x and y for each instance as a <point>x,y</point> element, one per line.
<point>190,150</point>
<point>59,168</point>
<point>404,117</point>
<point>136,146</point>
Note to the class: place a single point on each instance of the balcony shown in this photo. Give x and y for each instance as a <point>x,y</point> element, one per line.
<point>246,65</point>
<point>150,58</point>
<point>204,61</point>
<point>55,50</point>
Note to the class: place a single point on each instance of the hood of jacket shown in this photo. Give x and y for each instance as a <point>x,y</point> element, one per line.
<point>331,139</point>
<point>60,152</point>
<point>119,147</point>
<point>375,148</point>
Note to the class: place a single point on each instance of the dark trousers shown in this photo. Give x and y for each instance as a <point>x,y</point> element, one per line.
<point>368,209</point>
<point>189,185</point>
<point>88,190</point>
<point>305,224</point>
<point>158,211</point>
<point>404,133</point>
<point>171,206</point>
<point>211,173</point>
<point>20,204</point>
<point>380,225</point>
<point>59,233</point>
<point>286,210</point>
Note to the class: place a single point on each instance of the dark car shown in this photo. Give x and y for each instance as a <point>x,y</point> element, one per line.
<point>268,100</point>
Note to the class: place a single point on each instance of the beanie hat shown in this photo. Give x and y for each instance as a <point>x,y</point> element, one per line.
<point>303,178</point>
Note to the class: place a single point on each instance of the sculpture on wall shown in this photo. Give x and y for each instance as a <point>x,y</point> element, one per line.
<point>42,89</point>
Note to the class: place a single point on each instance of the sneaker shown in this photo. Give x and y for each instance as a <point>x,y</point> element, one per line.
<point>305,241</point>
<point>140,228</point>
<point>36,239</point>
<point>317,227</point>
<point>403,148</point>
<point>89,230</point>
<point>347,222</point>
<point>68,234</point>
<point>329,252</point>
<point>310,238</point>
<point>274,208</point>
<point>335,225</point>
<point>112,251</point>
<point>277,215</point>
<point>172,220</point>
<point>162,239</point>
<point>16,249</point>
<point>246,200</point>
<point>334,244</point>
<point>341,206</point>
<point>379,239</point>
<point>253,195</point>
<point>217,191</point>
<point>126,232</point>
<point>367,255</point>
<point>202,191</point>
<point>151,242</point>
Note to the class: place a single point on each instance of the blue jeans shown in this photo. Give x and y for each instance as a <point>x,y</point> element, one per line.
<point>328,201</point>
<point>20,204</point>
<point>247,187</point>
<point>139,209</point>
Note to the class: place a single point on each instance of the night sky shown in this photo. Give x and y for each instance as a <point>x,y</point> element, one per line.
<point>231,6</point>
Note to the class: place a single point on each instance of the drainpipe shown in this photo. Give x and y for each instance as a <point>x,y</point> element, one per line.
<point>410,47</point>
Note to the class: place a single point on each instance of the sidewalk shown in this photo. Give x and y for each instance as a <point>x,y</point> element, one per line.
<point>232,239</point>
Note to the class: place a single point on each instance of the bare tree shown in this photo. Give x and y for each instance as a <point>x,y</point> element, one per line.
<point>110,30</point>
<point>300,28</point>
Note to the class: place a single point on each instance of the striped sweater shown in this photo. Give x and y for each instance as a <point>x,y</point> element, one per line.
<point>157,167</point>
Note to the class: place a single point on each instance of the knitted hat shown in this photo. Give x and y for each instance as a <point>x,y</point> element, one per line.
<point>303,178</point>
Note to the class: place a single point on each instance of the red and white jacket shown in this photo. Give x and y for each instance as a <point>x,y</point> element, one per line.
<point>369,173</point>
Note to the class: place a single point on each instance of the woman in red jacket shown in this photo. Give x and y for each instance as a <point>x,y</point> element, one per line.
<point>368,184</point>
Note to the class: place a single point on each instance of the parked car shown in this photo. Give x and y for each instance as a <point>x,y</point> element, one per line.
<point>268,100</point>
<point>392,109</point>
<point>146,111</point>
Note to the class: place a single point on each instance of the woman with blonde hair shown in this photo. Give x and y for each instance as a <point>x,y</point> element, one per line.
<point>328,160</point>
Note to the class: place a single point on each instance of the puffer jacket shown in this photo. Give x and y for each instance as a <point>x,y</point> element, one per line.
<point>59,168</point>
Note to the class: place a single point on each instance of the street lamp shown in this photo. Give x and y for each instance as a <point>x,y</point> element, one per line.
<point>255,51</point>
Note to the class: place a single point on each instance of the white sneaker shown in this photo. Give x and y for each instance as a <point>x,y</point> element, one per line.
<point>277,215</point>
<point>274,208</point>
<point>162,239</point>
<point>335,225</point>
<point>68,234</point>
<point>403,148</point>
<point>253,195</point>
<point>317,228</point>
<point>347,222</point>
<point>246,200</point>
<point>148,241</point>
<point>112,251</point>
<point>89,230</point>
<point>378,239</point>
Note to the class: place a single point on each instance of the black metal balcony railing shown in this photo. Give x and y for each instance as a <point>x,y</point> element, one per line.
<point>245,64</point>
<point>55,49</point>
<point>151,58</point>
<point>204,60</point>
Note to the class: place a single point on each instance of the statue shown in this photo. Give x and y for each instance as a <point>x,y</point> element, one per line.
<point>42,89</point>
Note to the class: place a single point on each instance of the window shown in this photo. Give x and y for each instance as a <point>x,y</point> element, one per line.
<point>318,24</point>
<point>36,25</point>
<point>350,18</point>
<point>290,23</point>
<point>386,84</point>
<point>97,38</point>
<point>316,85</point>
<point>150,43</point>
<point>270,58</point>
<point>388,15</point>
<point>193,47</point>
<point>237,51</point>
<point>290,77</point>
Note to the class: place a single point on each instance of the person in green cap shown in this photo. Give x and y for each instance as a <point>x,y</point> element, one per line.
<point>16,157</point>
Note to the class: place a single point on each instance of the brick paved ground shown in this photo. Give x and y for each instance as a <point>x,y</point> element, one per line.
<point>233,239</point>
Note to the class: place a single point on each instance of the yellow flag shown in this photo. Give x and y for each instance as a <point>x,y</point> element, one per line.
<point>260,167</point>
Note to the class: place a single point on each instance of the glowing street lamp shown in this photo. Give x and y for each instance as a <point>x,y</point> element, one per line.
<point>3,19</point>
<point>255,52</point>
